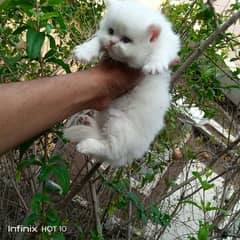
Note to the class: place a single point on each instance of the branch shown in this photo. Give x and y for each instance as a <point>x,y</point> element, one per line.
<point>225,151</point>
<point>78,188</point>
<point>96,208</point>
<point>209,2</point>
<point>212,180</point>
<point>221,69</point>
<point>229,206</point>
<point>129,234</point>
<point>204,46</point>
<point>184,32</point>
<point>21,198</point>
<point>213,161</point>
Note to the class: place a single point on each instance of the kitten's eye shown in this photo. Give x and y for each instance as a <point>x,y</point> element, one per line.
<point>126,39</point>
<point>110,31</point>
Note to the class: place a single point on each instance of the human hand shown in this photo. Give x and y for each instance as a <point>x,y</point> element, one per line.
<point>114,79</point>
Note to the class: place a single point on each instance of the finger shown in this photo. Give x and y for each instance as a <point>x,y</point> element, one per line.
<point>175,62</point>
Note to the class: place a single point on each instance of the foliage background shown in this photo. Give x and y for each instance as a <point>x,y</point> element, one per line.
<point>36,40</point>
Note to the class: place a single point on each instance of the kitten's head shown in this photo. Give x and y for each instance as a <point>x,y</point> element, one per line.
<point>129,31</point>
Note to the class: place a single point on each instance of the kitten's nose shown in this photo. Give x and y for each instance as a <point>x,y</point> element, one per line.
<point>111,43</point>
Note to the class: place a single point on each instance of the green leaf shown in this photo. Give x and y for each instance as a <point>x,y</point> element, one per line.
<point>121,202</point>
<point>12,60</point>
<point>112,210</point>
<point>63,177</point>
<point>135,199</point>
<point>235,6</point>
<point>54,2</point>
<point>205,13</point>
<point>57,236</point>
<point>26,145</point>
<point>206,185</point>
<point>197,175</point>
<point>158,217</point>
<point>34,43</point>
<point>60,63</point>
<point>142,215</point>
<point>149,177</point>
<point>20,29</point>
<point>192,238</point>
<point>16,3</point>
<point>193,203</point>
<point>45,173</point>
<point>52,217</point>
<point>48,28</point>
<point>209,208</point>
<point>27,163</point>
<point>50,53</point>
<point>57,159</point>
<point>120,186</point>
<point>37,200</point>
<point>203,233</point>
<point>50,15</point>
<point>96,236</point>
<point>52,41</point>
<point>31,219</point>
<point>60,21</point>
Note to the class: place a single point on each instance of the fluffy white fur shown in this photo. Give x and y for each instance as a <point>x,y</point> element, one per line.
<point>141,37</point>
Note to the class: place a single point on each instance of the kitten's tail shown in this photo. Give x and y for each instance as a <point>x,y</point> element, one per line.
<point>81,132</point>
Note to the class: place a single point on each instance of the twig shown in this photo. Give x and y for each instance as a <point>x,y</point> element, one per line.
<point>96,208</point>
<point>228,207</point>
<point>209,2</point>
<point>195,54</point>
<point>221,69</point>
<point>16,188</point>
<point>129,237</point>
<point>185,18</point>
<point>174,212</point>
<point>78,188</point>
<point>225,151</point>
<point>74,182</point>
<point>212,180</point>
<point>232,219</point>
<point>188,181</point>
<point>213,161</point>
<point>184,35</point>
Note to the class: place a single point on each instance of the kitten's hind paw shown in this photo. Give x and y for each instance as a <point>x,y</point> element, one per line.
<point>91,146</point>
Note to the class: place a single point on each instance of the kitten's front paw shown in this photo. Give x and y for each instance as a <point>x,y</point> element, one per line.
<point>83,53</point>
<point>155,68</point>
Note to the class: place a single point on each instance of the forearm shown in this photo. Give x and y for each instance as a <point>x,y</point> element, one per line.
<point>29,108</point>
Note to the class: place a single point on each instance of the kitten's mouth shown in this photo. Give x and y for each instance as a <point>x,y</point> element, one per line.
<point>109,47</point>
<point>118,56</point>
<point>113,55</point>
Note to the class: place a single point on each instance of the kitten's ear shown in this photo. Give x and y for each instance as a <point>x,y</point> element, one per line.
<point>154,31</point>
<point>107,3</point>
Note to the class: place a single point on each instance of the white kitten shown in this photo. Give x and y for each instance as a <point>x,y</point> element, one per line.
<point>141,37</point>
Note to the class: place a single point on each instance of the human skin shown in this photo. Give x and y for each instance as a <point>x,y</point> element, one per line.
<point>29,108</point>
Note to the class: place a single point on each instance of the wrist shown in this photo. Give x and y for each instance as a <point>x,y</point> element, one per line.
<point>88,89</point>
